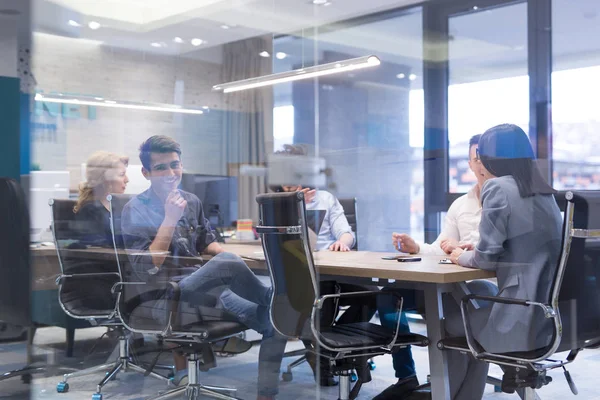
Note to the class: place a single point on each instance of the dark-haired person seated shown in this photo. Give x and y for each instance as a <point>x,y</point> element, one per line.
<point>461,226</point>
<point>520,235</point>
<point>166,220</point>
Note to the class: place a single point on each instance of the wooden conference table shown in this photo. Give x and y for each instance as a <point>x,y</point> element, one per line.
<point>361,267</point>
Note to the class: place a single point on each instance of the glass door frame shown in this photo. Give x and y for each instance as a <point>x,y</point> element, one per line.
<point>436,78</point>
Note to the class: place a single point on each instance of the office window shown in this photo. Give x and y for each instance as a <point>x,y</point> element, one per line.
<point>488,80</point>
<point>283,126</point>
<point>575,88</point>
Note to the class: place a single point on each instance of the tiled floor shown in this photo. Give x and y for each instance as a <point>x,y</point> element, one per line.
<point>239,372</point>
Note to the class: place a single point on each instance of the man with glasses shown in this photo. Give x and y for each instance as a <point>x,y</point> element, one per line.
<point>163,224</point>
<point>461,227</point>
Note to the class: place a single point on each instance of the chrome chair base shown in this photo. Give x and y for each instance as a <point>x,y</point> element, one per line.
<point>194,389</point>
<point>123,363</point>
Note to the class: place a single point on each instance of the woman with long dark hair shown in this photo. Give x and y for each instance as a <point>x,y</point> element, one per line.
<point>520,234</point>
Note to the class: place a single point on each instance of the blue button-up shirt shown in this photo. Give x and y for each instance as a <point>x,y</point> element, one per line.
<point>144,214</point>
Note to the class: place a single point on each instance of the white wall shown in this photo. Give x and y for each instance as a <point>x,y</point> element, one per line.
<point>89,68</point>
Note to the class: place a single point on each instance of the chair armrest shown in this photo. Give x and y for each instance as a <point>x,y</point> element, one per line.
<point>118,287</point>
<point>319,305</point>
<point>63,277</point>
<point>173,306</point>
<point>549,312</point>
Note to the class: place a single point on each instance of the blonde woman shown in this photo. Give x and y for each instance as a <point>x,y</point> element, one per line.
<point>106,173</point>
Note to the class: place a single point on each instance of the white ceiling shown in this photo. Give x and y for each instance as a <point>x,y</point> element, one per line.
<point>136,12</point>
<point>135,24</point>
<point>488,42</point>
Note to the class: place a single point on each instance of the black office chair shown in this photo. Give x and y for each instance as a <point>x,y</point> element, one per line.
<point>572,310</point>
<point>88,273</point>
<point>296,304</point>
<point>15,269</point>
<point>351,212</point>
<point>194,327</point>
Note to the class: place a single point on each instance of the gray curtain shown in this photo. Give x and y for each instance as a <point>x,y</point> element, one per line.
<point>248,120</point>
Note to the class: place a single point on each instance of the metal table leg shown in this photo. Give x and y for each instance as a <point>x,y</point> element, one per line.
<point>438,361</point>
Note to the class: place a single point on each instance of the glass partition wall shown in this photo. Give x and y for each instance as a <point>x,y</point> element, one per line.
<point>379,97</point>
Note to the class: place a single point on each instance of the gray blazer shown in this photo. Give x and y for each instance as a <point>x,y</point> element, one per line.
<point>520,240</point>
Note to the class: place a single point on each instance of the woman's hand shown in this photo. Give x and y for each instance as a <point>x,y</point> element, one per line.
<point>455,254</point>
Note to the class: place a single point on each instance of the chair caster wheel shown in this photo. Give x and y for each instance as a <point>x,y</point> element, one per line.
<point>97,396</point>
<point>287,376</point>
<point>62,387</point>
<point>353,377</point>
<point>497,389</point>
<point>372,365</point>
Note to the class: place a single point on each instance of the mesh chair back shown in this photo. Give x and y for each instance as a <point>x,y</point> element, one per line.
<point>86,260</point>
<point>577,282</point>
<point>285,243</point>
<point>15,271</point>
<point>349,206</point>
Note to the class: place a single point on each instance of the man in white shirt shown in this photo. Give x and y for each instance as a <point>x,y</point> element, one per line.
<point>335,233</point>
<point>461,227</point>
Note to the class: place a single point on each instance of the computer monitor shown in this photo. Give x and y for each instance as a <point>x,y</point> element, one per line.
<point>218,194</point>
<point>43,186</point>
<point>314,221</point>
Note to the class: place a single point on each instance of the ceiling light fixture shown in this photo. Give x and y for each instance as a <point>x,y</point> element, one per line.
<point>401,76</point>
<point>298,74</point>
<point>225,26</point>
<point>74,23</point>
<point>94,25</point>
<point>177,39</point>
<point>196,42</point>
<point>264,54</point>
<point>91,101</point>
<point>319,2</point>
<point>280,55</point>
<point>412,77</point>
<point>155,44</point>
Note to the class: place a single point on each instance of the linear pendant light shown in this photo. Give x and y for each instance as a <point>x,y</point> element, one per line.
<point>100,102</point>
<point>298,74</point>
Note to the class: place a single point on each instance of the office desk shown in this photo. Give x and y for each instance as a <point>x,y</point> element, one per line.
<point>358,267</point>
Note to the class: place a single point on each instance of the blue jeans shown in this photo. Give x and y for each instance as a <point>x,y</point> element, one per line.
<point>246,298</point>
<point>403,362</point>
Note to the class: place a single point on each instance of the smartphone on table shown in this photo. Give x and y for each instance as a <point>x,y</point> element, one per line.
<point>402,258</point>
